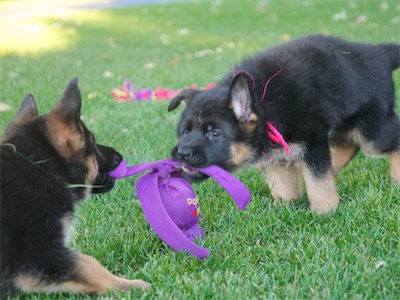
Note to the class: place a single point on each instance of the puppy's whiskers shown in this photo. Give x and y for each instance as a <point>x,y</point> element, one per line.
<point>79,185</point>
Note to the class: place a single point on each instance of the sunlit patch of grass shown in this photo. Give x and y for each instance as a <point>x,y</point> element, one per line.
<point>37,27</point>
<point>42,6</point>
<point>33,35</point>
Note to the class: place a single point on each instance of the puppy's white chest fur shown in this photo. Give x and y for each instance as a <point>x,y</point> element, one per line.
<point>279,157</point>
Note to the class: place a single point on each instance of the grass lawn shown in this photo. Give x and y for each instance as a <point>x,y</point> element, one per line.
<point>264,252</point>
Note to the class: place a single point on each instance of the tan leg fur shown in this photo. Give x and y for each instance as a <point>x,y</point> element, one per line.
<point>341,157</point>
<point>90,277</point>
<point>284,182</point>
<point>321,192</point>
<point>394,160</point>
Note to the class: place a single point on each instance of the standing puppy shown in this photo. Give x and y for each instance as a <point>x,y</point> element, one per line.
<point>48,164</point>
<point>305,107</point>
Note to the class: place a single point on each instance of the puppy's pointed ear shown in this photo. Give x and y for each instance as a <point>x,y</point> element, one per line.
<point>186,95</point>
<point>27,111</point>
<point>64,127</point>
<point>68,108</point>
<point>241,99</point>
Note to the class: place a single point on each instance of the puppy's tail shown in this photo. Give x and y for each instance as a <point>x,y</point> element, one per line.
<point>393,52</point>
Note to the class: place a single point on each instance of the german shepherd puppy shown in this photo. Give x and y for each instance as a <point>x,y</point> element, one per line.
<point>305,107</point>
<point>48,164</point>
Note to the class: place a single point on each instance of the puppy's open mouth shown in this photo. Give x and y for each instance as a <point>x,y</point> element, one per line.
<point>192,174</point>
<point>189,170</point>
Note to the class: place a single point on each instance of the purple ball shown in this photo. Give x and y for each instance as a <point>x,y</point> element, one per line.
<point>180,201</point>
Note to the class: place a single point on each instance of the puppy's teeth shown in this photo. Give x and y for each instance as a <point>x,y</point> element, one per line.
<point>188,170</point>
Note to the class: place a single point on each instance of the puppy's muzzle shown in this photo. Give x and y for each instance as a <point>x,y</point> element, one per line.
<point>184,153</point>
<point>190,158</point>
<point>108,159</point>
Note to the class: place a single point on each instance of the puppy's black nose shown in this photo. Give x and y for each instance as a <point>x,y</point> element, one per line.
<point>184,153</point>
<point>116,159</point>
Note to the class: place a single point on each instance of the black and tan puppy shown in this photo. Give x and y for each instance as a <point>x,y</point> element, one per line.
<point>302,108</point>
<point>48,164</point>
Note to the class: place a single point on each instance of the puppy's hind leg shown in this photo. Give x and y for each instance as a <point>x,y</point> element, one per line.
<point>379,134</point>
<point>284,182</point>
<point>341,156</point>
<point>86,276</point>
<point>386,140</point>
<point>394,159</point>
<point>394,156</point>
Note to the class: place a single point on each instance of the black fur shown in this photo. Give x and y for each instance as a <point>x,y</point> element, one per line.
<point>322,91</point>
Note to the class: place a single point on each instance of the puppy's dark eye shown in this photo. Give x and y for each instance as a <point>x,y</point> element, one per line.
<point>215,133</point>
<point>185,131</point>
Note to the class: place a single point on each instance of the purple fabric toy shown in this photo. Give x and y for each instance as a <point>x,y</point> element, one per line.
<point>171,206</point>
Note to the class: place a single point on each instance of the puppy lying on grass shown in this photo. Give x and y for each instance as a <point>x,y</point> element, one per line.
<point>48,164</point>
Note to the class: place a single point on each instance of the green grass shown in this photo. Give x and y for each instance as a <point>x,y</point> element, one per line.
<point>264,252</point>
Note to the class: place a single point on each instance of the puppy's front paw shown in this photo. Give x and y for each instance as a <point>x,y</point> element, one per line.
<point>127,285</point>
<point>141,284</point>
<point>324,206</point>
